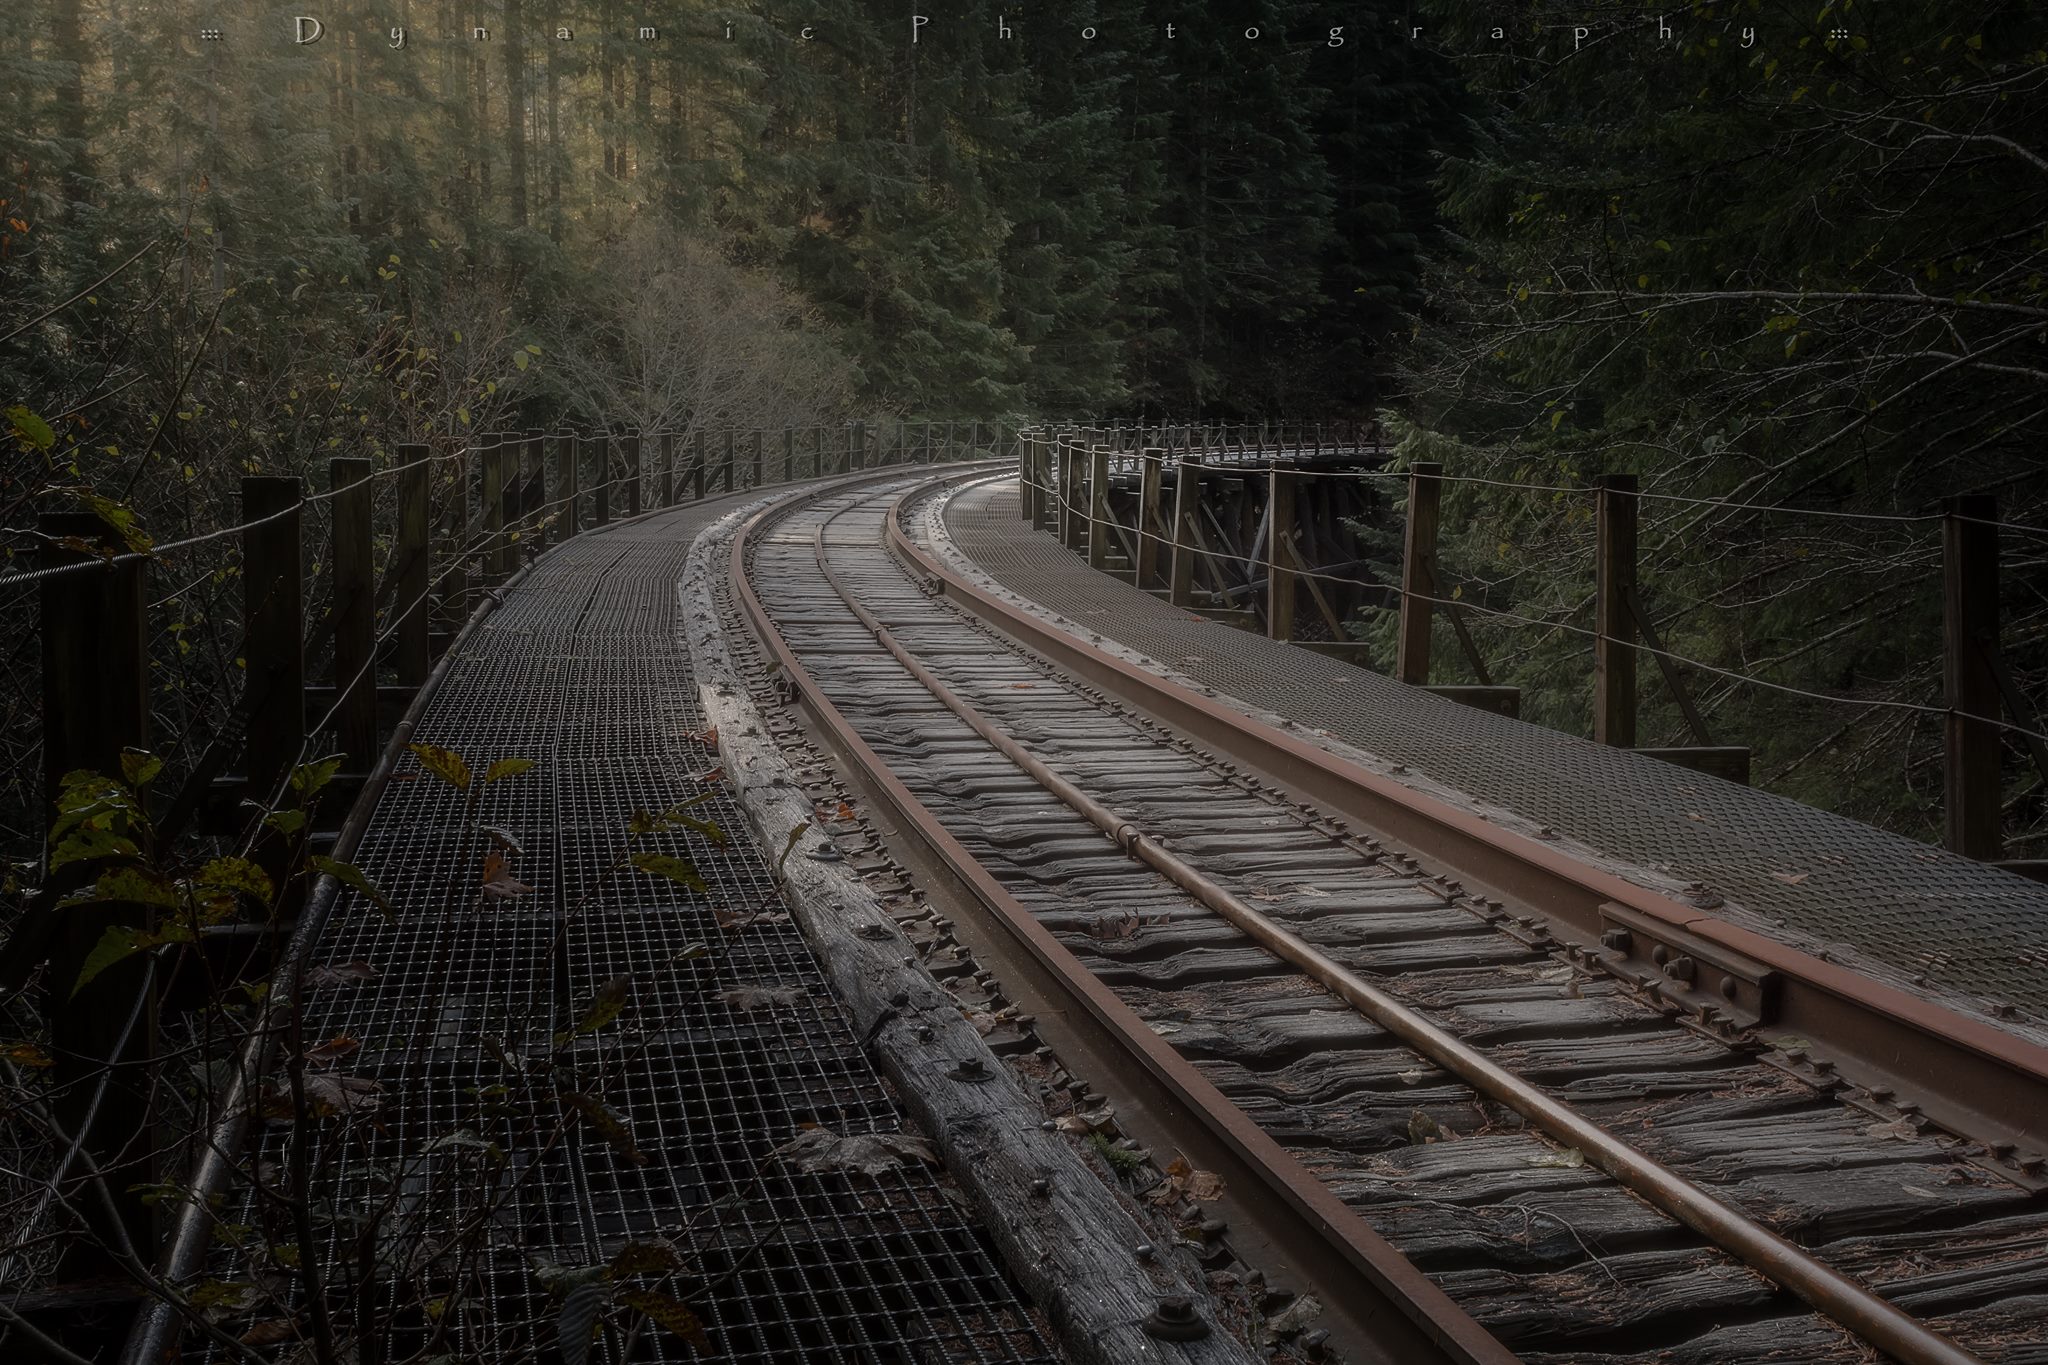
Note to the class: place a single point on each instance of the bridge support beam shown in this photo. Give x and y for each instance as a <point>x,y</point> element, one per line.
<point>1418,574</point>
<point>354,613</point>
<point>413,568</point>
<point>1070,494</point>
<point>1279,549</point>
<point>490,499</point>
<point>1187,531</point>
<point>629,450</point>
<point>1099,523</point>
<point>568,459</point>
<point>533,491</point>
<point>273,624</point>
<point>1151,531</point>
<point>1970,778</point>
<point>1614,584</point>
<point>95,704</point>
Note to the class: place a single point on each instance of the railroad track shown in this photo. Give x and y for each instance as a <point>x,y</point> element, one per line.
<point>1395,1063</point>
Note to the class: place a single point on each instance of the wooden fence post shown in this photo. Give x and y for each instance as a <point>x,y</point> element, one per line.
<point>1418,574</point>
<point>354,613</point>
<point>454,604</point>
<point>629,449</point>
<point>1614,584</point>
<point>760,437</point>
<point>568,480</point>
<point>1971,788</point>
<point>95,704</point>
<point>856,446</point>
<point>1187,510</point>
<point>490,492</point>
<point>1027,485</point>
<point>788,455</point>
<point>698,457</point>
<point>1070,494</point>
<point>1150,531</point>
<point>1279,552</point>
<point>601,487</point>
<point>273,624</point>
<point>413,567</point>
<point>1098,505</point>
<point>725,460</point>
<point>533,490</point>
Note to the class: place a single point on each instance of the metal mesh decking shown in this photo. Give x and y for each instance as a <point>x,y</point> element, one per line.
<point>1810,878</point>
<point>583,672</point>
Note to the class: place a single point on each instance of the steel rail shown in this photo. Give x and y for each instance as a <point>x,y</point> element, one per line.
<point>1967,1074</point>
<point>1857,1308</point>
<point>1407,1314</point>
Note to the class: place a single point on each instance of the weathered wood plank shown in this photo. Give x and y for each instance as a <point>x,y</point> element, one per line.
<point>1630,1293</point>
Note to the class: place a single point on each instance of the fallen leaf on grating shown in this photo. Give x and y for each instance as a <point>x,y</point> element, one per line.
<point>340,974</point>
<point>758,997</point>
<point>499,883</point>
<point>819,1150</point>
<point>333,1050</point>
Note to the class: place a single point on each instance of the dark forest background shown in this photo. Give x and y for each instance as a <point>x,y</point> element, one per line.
<point>1803,272</point>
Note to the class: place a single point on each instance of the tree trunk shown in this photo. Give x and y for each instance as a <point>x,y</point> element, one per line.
<point>67,42</point>
<point>554,138</point>
<point>515,108</point>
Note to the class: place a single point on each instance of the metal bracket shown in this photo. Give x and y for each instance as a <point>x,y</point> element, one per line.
<point>1686,969</point>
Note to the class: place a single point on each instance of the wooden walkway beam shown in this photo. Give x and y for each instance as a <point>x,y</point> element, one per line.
<point>1418,573</point>
<point>1971,787</point>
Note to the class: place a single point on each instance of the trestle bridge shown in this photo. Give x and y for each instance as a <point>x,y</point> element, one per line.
<point>913,894</point>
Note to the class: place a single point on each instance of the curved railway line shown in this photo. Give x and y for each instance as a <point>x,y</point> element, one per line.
<point>1474,1135</point>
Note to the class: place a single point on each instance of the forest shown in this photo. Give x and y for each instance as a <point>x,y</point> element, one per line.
<point>1782,261</point>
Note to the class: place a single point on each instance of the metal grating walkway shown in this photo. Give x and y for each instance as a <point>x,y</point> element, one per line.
<point>1814,880</point>
<point>582,670</point>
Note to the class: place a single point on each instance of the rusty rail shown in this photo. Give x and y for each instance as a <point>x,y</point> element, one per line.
<point>1408,1316</point>
<point>1963,1073</point>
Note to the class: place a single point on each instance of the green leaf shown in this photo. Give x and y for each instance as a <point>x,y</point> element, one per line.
<point>445,764</point>
<point>680,870</point>
<point>122,519</point>
<point>644,1256</point>
<point>520,360</point>
<point>643,823</point>
<point>578,1321</point>
<point>31,428</point>
<point>127,886</point>
<point>286,821</point>
<point>309,778</point>
<point>608,1124</point>
<point>122,941</point>
<point>507,767</point>
<point>89,845</point>
<point>668,1314</point>
<point>86,798</point>
<point>139,767</point>
<point>239,875</point>
<point>351,876</point>
<point>611,998</point>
